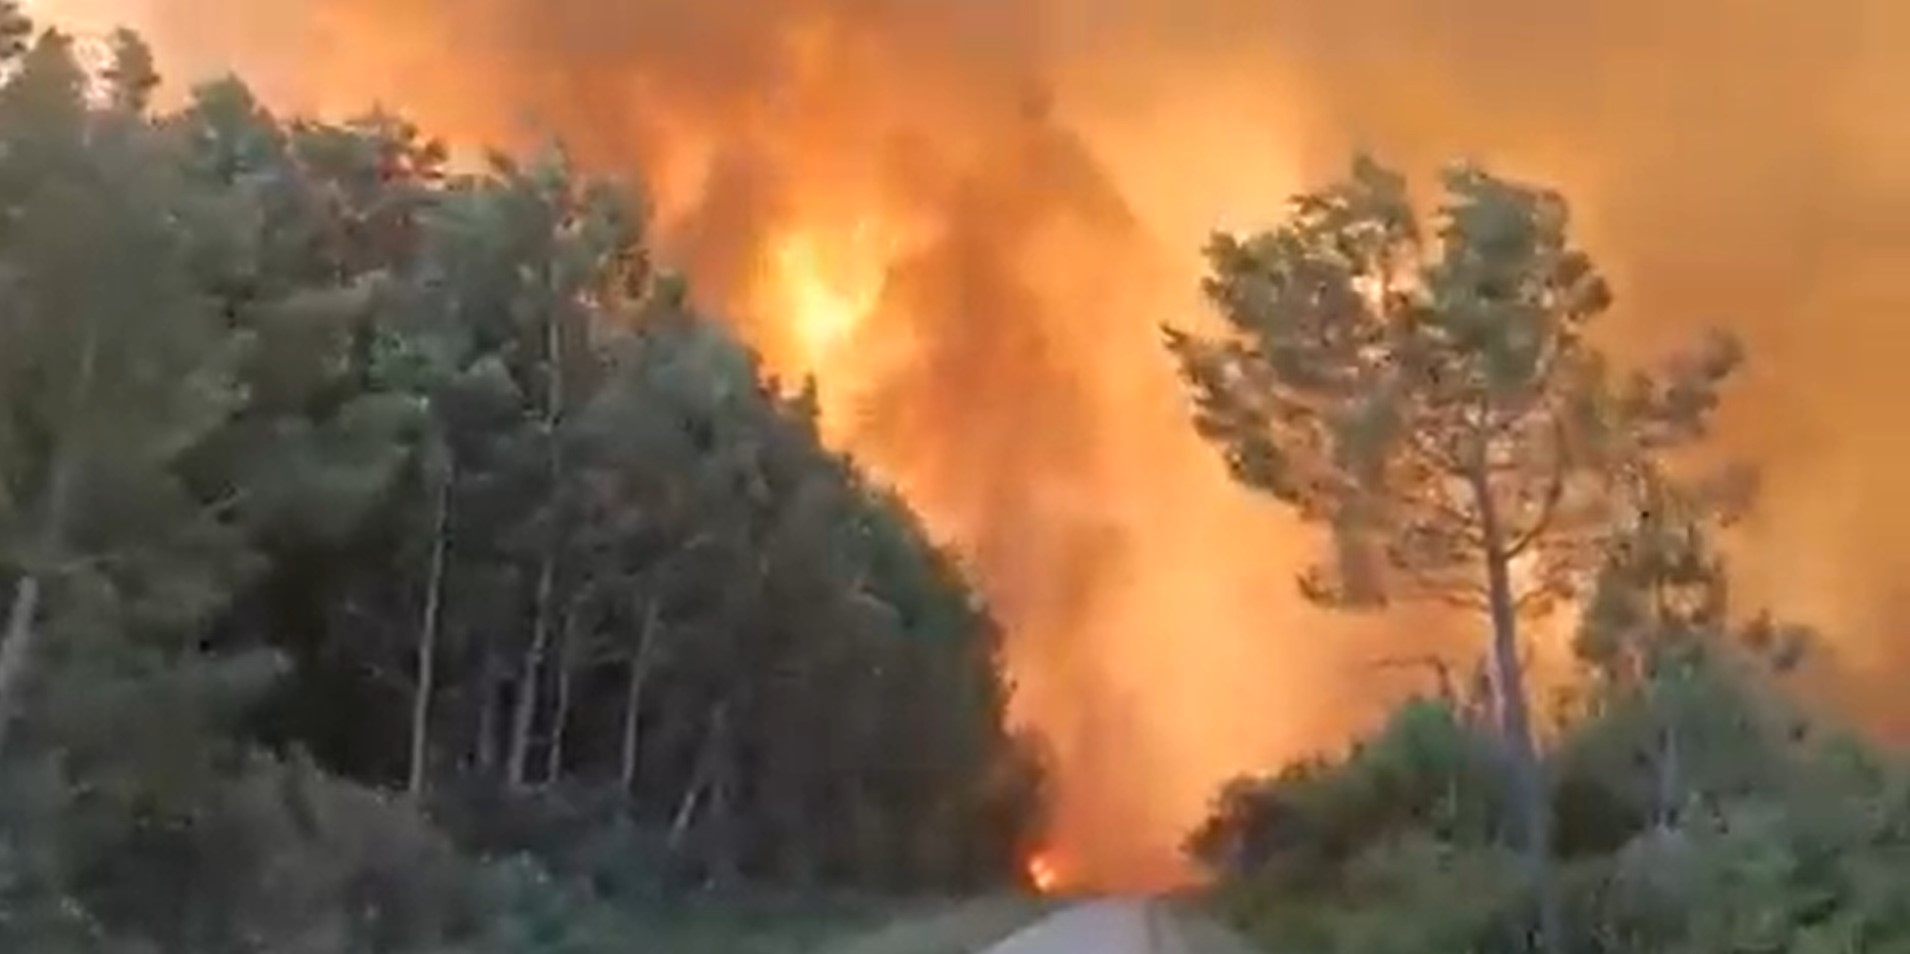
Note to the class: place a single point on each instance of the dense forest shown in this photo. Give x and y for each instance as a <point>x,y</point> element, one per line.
<point>1431,394</point>
<point>395,560</point>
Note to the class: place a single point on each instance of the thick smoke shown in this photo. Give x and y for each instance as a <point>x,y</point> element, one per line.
<point>1039,176</point>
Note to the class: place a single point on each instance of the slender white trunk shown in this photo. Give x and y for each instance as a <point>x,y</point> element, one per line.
<point>524,713</point>
<point>1670,784</point>
<point>534,657</point>
<point>22,633</point>
<point>485,750</point>
<point>633,700</point>
<point>18,648</point>
<point>560,718</point>
<point>428,638</point>
<point>701,777</point>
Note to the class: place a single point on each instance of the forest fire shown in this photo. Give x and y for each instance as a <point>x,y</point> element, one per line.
<point>826,282</point>
<point>1044,873</point>
<point>1057,164</point>
<point>825,305</point>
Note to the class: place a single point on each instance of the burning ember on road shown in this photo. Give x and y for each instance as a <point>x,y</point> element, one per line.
<point>968,218</point>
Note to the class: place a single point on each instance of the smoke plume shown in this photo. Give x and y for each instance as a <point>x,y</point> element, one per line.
<point>967,217</point>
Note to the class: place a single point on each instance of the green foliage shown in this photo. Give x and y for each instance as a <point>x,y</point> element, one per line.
<point>1786,842</point>
<point>1697,810</point>
<point>539,914</point>
<point>1428,392</point>
<point>322,468</point>
<point>1424,769</point>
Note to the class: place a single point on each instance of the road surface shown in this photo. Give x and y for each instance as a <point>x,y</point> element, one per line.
<point>1117,927</point>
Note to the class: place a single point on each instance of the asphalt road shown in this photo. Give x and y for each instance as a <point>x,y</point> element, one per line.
<point>1116,926</point>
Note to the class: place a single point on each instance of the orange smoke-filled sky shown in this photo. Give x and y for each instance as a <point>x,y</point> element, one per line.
<point>982,209</point>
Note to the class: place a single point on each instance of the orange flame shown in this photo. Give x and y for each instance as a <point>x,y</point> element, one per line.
<point>998,358</point>
<point>829,283</point>
<point>886,196</point>
<point>1044,873</point>
<point>824,282</point>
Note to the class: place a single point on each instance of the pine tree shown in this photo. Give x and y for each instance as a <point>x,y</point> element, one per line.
<point>306,446</point>
<point>116,366</point>
<point>1432,398</point>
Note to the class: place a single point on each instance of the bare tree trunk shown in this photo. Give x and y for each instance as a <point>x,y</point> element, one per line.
<point>16,654</point>
<point>1669,782</point>
<point>685,811</point>
<point>560,718</point>
<point>534,657</point>
<point>699,777</point>
<point>525,712</point>
<point>725,843</point>
<point>633,699</point>
<point>1661,702</point>
<point>18,648</point>
<point>486,748</point>
<point>427,659</point>
<point>1529,798</point>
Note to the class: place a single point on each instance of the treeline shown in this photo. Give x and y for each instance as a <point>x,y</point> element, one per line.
<point>365,523</point>
<point>1695,808</point>
<point>1428,390</point>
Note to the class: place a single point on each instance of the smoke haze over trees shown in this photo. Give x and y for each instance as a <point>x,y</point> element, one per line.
<point>1733,162</point>
<point>400,556</point>
<point>390,551</point>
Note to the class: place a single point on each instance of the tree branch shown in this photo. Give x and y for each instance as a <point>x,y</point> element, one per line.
<point>1457,593</point>
<point>1470,602</point>
<point>106,558</point>
<point>1535,599</point>
<point>1554,496</point>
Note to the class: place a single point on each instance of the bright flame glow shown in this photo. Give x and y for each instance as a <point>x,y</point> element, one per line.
<point>828,288</point>
<point>1012,363</point>
<point>1044,873</point>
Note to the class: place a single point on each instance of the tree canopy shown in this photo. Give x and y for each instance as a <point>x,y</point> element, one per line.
<point>1429,393</point>
<point>396,560</point>
<point>1432,396</point>
<point>363,522</point>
